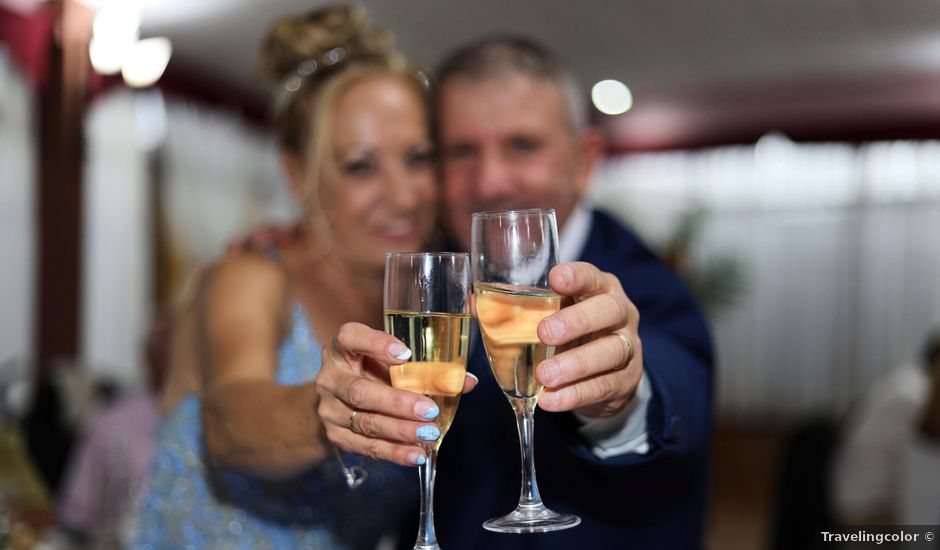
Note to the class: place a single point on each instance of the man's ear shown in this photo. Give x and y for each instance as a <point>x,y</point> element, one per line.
<point>293,167</point>
<point>591,147</point>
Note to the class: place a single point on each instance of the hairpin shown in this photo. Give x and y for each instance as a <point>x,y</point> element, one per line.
<point>305,69</point>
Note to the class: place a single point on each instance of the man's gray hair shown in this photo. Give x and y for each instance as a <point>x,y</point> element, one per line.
<point>500,56</point>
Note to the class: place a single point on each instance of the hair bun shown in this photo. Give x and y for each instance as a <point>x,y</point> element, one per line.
<point>293,39</point>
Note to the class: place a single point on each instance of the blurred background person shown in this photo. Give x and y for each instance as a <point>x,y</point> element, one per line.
<point>868,470</point>
<point>241,458</point>
<point>919,499</point>
<point>111,463</point>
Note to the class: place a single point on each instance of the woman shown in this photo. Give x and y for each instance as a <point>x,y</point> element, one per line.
<point>241,459</point>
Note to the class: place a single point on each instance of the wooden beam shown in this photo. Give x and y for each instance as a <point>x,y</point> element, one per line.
<point>59,198</point>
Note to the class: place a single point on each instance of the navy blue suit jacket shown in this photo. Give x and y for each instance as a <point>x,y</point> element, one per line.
<point>655,500</point>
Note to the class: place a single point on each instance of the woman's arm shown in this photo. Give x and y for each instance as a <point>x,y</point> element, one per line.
<point>250,421</point>
<point>182,369</point>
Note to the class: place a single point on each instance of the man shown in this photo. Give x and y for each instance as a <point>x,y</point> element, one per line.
<point>629,393</point>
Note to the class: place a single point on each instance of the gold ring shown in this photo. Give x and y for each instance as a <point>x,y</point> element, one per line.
<point>352,416</point>
<point>627,343</point>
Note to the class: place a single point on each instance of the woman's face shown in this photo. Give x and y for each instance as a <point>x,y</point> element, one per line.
<point>384,196</point>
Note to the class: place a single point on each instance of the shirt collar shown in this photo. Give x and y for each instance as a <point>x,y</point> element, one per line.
<point>574,235</point>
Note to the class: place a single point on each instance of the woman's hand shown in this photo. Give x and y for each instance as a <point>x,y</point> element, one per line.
<point>361,411</point>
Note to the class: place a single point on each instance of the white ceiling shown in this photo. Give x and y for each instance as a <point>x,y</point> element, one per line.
<point>660,48</point>
<point>652,45</point>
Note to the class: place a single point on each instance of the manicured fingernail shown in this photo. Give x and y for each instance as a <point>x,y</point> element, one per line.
<point>417,458</point>
<point>550,371</point>
<point>554,328</point>
<point>428,432</point>
<point>471,375</point>
<point>399,351</point>
<point>426,410</point>
<point>568,274</point>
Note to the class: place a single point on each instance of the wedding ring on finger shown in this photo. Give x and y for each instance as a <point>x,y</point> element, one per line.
<point>352,419</point>
<point>629,346</point>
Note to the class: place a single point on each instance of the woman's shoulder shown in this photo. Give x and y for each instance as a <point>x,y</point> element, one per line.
<point>246,288</point>
<point>247,271</point>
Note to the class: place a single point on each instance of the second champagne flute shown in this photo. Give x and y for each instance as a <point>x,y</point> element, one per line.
<point>426,307</point>
<point>513,252</point>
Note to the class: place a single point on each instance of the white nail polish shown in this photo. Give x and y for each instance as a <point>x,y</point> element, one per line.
<point>399,351</point>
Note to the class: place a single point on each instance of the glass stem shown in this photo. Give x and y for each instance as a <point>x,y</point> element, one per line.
<point>427,538</point>
<point>524,407</point>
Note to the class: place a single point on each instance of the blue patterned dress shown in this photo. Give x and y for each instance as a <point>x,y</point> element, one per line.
<point>190,504</point>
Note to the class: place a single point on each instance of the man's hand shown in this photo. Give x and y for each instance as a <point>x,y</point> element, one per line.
<point>360,410</point>
<point>600,358</point>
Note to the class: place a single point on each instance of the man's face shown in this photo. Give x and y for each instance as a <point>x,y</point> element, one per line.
<point>507,143</point>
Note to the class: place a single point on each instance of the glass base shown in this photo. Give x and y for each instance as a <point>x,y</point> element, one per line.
<point>426,547</point>
<point>531,519</point>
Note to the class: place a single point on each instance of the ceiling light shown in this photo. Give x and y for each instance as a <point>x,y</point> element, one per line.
<point>612,97</point>
<point>117,23</point>
<point>115,31</point>
<point>106,58</point>
<point>146,62</point>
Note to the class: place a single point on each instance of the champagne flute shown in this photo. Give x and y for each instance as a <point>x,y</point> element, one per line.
<point>513,251</point>
<point>426,307</point>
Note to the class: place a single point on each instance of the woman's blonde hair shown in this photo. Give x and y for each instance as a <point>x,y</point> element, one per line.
<point>313,59</point>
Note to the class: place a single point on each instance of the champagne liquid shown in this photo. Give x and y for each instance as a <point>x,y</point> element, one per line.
<point>509,317</point>
<point>439,344</point>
